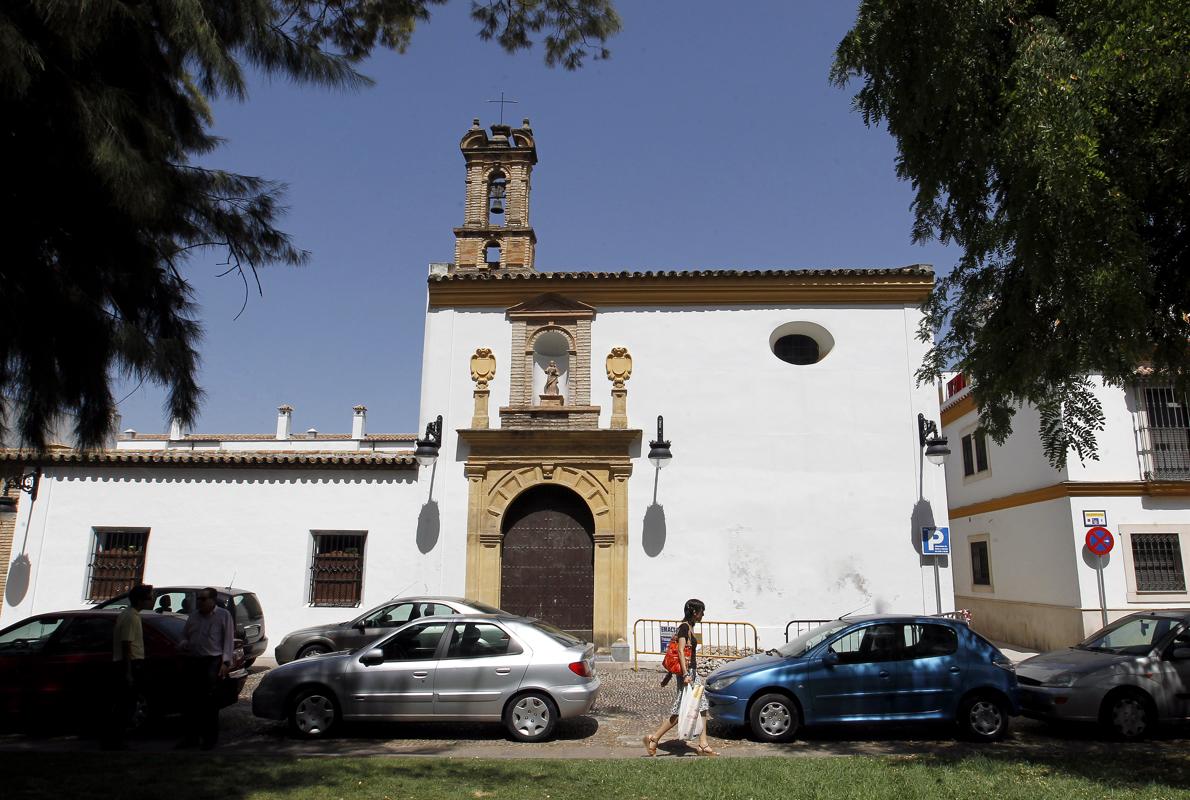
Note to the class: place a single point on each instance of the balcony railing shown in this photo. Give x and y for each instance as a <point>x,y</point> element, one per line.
<point>1164,433</point>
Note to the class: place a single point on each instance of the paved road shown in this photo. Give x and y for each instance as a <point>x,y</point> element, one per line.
<point>630,704</point>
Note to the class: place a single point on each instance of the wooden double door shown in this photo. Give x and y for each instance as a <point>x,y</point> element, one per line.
<point>548,559</point>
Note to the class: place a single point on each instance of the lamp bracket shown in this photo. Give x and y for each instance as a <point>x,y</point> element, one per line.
<point>926,429</point>
<point>660,441</point>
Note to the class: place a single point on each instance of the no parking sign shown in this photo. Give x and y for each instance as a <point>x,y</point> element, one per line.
<point>1100,540</point>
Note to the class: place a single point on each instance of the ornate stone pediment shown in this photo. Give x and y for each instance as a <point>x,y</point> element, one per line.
<point>551,305</point>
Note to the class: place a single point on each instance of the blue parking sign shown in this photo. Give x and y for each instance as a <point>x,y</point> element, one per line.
<point>935,541</point>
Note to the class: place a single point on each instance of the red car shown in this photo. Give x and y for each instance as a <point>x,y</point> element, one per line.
<point>57,666</point>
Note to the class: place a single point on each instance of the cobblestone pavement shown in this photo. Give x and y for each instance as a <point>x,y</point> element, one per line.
<point>630,704</point>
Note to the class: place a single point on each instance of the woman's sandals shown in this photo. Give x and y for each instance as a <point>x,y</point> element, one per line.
<point>650,745</point>
<point>705,750</point>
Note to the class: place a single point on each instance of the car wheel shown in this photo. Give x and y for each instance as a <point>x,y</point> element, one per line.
<point>983,718</point>
<point>313,650</point>
<point>531,717</point>
<point>1129,715</point>
<point>313,714</point>
<point>774,718</point>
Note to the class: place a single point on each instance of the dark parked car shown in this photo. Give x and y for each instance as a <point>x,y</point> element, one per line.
<point>870,669</point>
<point>56,666</point>
<point>354,633</point>
<point>1127,677</point>
<point>463,667</point>
<point>244,605</point>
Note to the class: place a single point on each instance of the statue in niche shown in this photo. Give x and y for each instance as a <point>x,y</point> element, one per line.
<point>551,380</point>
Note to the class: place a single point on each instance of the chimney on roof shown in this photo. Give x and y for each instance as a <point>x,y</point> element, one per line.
<point>359,426</point>
<point>175,429</point>
<point>312,433</point>
<point>284,417</point>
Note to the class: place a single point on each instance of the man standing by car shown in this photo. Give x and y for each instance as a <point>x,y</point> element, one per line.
<point>207,641</point>
<point>128,657</point>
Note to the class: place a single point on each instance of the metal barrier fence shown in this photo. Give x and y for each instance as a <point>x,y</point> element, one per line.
<point>725,641</point>
<point>962,615</point>
<point>800,626</point>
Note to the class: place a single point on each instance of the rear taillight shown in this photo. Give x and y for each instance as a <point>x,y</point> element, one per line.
<point>584,669</point>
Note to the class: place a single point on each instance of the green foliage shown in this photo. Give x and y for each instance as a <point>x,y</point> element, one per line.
<point>1050,139</point>
<point>103,106</point>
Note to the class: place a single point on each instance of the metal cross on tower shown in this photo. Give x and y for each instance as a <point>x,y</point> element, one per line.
<point>502,103</point>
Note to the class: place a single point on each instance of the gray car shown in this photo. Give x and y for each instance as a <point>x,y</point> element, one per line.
<point>355,633</point>
<point>1127,677</point>
<point>473,667</point>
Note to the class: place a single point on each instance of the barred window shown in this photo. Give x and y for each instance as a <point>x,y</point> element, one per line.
<point>1157,560</point>
<point>117,563</point>
<point>337,569</point>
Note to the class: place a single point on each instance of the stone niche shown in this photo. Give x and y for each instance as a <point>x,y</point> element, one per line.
<point>551,336</point>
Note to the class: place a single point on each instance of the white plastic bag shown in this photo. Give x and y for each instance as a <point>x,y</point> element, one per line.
<point>690,721</point>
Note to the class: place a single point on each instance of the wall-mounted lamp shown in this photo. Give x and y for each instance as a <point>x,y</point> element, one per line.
<point>427,448</point>
<point>929,438</point>
<point>25,482</point>
<point>659,454</point>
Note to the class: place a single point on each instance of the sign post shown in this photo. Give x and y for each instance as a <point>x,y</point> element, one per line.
<point>936,542</point>
<point>1100,542</point>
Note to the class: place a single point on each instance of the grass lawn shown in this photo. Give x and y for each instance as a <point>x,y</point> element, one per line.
<point>184,776</point>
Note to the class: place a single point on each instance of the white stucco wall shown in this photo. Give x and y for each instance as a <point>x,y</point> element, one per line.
<point>248,527</point>
<point>793,491</point>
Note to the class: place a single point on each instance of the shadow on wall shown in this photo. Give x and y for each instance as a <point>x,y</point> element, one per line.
<point>652,536</point>
<point>18,580</point>
<point>429,526</point>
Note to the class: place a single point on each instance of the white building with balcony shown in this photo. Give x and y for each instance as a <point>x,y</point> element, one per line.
<point>1019,526</point>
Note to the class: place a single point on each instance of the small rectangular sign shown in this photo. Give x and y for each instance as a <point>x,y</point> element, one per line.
<point>1094,519</point>
<point>668,629</point>
<point>935,541</point>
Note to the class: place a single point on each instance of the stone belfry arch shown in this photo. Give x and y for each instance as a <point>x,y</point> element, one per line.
<point>501,163</point>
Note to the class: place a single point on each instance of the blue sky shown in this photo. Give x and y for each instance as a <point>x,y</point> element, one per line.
<point>709,140</point>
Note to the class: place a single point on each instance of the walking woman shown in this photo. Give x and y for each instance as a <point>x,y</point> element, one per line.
<point>691,616</point>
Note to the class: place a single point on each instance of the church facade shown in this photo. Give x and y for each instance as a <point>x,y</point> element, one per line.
<point>796,489</point>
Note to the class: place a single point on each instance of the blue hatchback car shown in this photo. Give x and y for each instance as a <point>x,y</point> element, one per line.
<point>870,669</point>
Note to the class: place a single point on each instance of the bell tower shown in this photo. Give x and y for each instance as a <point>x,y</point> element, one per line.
<point>496,235</point>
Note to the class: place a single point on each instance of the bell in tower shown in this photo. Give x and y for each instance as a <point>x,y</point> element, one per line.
<point>496,234</point>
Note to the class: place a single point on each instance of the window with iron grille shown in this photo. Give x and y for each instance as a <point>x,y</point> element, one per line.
<point>1165,433</point>
<point>1157,561</point>
<point>337,569</point>
<point>117,563</point>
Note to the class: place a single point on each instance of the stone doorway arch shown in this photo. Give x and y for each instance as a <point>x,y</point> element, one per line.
<point>594,465</point>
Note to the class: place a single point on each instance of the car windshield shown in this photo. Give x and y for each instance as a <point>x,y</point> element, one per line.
<point>1134,636</point>
<point>811,639</point>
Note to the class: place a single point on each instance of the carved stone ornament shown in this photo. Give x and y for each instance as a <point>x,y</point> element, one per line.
<point>483,367</point>
<point>619,366</point>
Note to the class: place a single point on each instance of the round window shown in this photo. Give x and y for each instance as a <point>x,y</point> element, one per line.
<point>801,343</point>
<point>796,349</point>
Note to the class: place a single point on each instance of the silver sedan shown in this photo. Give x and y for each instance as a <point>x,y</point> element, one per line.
<point>472,667</point>
<point>1128,677</point>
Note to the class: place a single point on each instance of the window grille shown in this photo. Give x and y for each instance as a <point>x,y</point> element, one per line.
<point>1165,434</point>
<point>337,569</point>
<point>117,564</point>
<point>1157,560</point>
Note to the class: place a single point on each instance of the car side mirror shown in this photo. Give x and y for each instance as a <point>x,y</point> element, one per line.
<point>831,658</point>
<point>360,626</point>
<point>372,657</point>
<point>1181,653</point>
